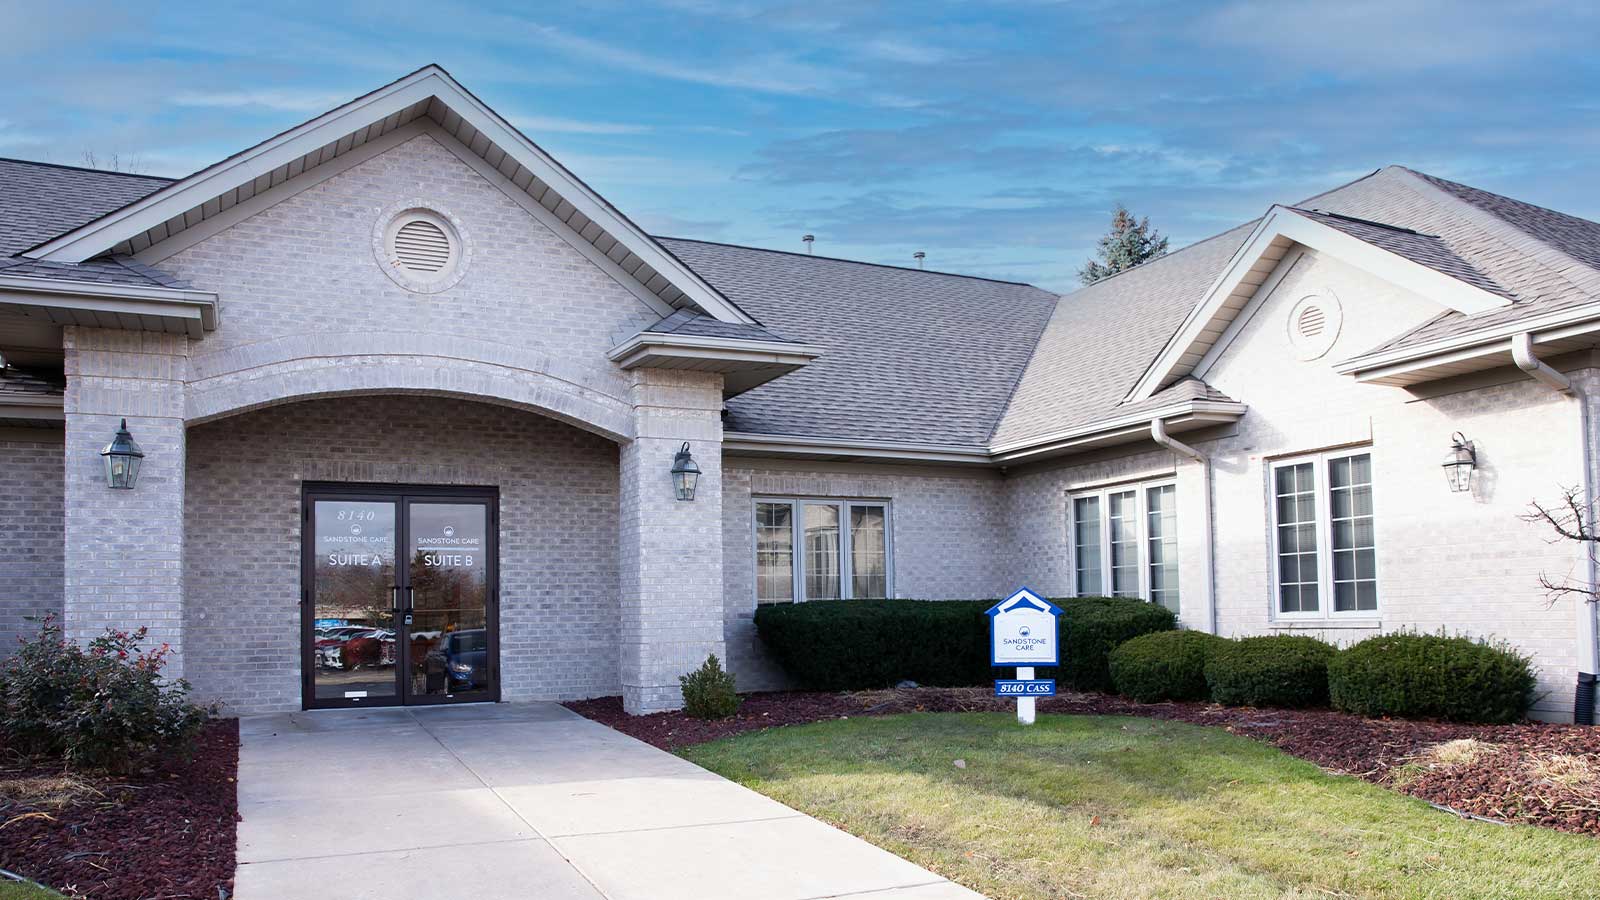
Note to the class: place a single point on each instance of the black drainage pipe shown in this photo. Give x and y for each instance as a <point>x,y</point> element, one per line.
<point>1583,700</point>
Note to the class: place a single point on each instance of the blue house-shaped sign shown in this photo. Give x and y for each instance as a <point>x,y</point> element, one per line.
<point>1023,632</point>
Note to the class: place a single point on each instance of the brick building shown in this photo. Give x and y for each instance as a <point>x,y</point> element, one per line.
<point>410,395</point>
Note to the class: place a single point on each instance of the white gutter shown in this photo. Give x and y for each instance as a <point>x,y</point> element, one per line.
<point>1588,628</point>
<point>1158,433</point>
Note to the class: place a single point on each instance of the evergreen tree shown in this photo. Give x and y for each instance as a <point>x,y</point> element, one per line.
<point>1129,243</point>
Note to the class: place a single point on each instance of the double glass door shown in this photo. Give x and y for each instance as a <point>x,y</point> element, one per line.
<point>399,596</point>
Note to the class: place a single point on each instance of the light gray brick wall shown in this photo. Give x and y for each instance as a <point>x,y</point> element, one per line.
<point>307,310</point>
<point>32,486</point>
<point>670,549</point>
<point>948,533</point>
<point>124,548</point>
<point>558,525</point>
<point>1464,563</point>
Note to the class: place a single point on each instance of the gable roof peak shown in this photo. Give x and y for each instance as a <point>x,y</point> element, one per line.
<point>427,100</point>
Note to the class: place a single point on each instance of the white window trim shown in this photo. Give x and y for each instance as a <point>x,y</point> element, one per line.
<point>1322,494</point>
<point>797,544</point>
<point>1141,515</point>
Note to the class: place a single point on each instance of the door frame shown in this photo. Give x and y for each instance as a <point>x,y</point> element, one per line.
<point>399,495</point>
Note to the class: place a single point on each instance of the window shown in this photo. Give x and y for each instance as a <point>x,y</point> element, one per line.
<point>844,550</point>
<point>1323,536</point>
<point>1125,542</point>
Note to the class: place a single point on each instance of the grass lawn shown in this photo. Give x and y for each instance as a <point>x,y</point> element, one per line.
<point>1102,806</point>
<point>16,890</point>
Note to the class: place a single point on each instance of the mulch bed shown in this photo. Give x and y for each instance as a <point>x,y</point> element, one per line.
<point>164,833</point>
<point>1532,773</point>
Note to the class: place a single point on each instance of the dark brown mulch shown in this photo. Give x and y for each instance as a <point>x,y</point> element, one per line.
<point>1533,773</point>
<point>167,832</point>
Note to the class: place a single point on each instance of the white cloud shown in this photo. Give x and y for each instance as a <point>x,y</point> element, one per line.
<point>773,73</point>
<point>286,101</point>
<point>533,125</point>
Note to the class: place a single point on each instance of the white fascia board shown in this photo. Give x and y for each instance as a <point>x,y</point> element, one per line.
<point>1107,431</point>
<point>1549,327</point>
<point>635,351</point>
<point>431,82</point>
<point>1133,426</point>
<point>910,451</point>
<point>1282,222</point>
<point>196,309</point>
<point>10,404</point>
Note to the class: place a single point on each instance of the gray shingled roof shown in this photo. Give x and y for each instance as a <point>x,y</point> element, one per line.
<point>694,322</point>
<point>908,355</point>
<point>1535,255</point>
<point>39,201</point>
<point>1104,336</point>
<point>1426,249</point>
<point>912,355</point>
<point>108,270</point>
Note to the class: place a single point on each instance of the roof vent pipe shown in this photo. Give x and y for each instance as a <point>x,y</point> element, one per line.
<point>1158,433</point>
<point>807,239</point>
<point>919,256</point>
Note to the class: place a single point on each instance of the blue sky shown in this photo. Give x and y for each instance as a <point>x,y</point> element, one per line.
<point>997,137</point>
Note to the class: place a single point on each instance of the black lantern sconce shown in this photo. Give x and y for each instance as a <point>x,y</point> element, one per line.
<point>685,473</point>
<point>1459,464</point>
<point>123,458</point>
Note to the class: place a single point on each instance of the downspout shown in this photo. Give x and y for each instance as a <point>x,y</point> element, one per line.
<point>1158,433</point>
<point>1588,645</point>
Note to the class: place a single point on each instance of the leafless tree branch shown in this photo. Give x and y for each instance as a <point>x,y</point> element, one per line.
<point>1570,520</point>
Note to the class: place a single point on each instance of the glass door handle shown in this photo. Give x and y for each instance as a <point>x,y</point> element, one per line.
<point>394,597</point>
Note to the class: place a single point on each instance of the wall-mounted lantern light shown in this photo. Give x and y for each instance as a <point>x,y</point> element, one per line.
<point>685,473</point>
<point>1459,464</point>
<point>123,458</point>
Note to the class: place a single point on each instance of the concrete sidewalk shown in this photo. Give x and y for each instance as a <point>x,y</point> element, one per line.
<point>524,801</point>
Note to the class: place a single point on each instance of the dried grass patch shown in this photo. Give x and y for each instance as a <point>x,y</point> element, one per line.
<point>1459,752</point>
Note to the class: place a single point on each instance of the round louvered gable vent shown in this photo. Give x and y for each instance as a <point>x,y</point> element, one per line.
<point>421,248</point>
<point>1314,325</point>
<point>1311,322</point>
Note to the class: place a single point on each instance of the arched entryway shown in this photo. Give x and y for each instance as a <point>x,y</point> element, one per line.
<point>534,499</point>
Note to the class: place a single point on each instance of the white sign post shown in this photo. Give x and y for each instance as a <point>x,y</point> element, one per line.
<point>1022,633</point>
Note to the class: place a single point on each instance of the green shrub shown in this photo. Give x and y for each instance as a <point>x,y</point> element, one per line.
<point>1431,676</point>
<point>1279,670</point>
<point>708,691</point>
<point>1092,627</point>
<point>1164,665</point>
<point>837,645</point>
<point>104,706</point>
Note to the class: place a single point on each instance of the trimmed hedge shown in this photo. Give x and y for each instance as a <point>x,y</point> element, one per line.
<point>1092,627</point>
<point>836,645</point>
<point>1164,665</point>
<point>1276,670</point>
<point>1431,676</point>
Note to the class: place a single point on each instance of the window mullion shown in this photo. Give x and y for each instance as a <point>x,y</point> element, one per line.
<point>846,554</point>
<point>798,532</point>
<point>1103,503</point>
<point>1141,524</point>
<point>1324,496</point>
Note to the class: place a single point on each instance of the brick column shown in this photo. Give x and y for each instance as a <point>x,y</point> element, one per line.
<point>124,548</point>
<point>670,549</point>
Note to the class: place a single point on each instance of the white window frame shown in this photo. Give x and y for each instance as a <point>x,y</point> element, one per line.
<point>1141,515</point>
<point>847,561</point>
<point>1322,493</point>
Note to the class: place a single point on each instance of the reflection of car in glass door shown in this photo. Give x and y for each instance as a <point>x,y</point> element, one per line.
<point>465,658</point>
